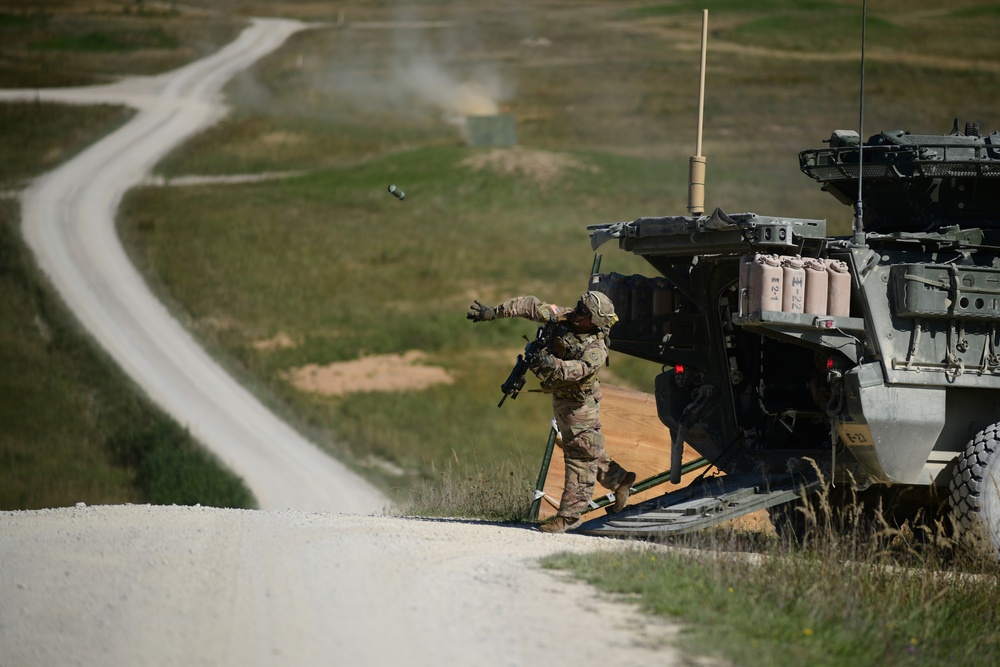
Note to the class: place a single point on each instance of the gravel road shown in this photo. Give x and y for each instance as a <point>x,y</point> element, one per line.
<point>140,585</point>
<point>314,578</point>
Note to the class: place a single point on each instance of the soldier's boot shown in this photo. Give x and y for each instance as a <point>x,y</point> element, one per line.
<point>622,491</point>
<point>559,524</point>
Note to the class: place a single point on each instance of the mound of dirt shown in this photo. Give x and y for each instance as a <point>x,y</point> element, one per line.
<point>382,372</point>
<point>542,167</point>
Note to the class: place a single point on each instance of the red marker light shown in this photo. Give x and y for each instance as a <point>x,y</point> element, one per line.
<point>829,364</point>
<point>679,369</point>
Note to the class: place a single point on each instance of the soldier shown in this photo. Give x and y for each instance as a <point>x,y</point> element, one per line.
<point>569,371</point>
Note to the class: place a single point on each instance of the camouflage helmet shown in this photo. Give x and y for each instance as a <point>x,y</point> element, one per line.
<point>602,310</point>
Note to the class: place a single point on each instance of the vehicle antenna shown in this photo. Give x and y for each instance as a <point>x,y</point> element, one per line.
<point>696,175</point>
<point>859,226</point>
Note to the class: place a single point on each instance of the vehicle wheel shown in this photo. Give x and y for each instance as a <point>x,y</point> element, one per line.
<point>975,490</point>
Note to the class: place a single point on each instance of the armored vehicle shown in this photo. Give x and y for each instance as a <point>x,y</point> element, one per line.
<point>788,356</point>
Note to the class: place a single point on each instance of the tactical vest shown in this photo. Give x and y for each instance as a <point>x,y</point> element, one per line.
<point>570,346</point>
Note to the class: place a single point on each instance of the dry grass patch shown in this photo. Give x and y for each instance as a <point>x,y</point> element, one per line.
<point>280,341</point>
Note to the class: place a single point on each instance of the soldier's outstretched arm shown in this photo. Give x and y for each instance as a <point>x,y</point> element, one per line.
<point>531,308</point>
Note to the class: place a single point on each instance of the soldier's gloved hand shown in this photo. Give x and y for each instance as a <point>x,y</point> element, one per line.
<point>546,363</point>
<point>481,313</point>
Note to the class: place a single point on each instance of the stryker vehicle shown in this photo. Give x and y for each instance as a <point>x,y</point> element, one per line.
<point>892,392</point>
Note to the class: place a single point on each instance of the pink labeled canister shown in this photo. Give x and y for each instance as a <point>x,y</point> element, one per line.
<point>839,299</point>
<point>793,296</point>
<point>817,286</point>
<point>765,283</point>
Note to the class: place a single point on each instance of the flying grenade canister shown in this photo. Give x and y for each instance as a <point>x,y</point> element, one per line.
<point>793,295</point>
<point>765,283</point>
<point>397,193</point>
<point>839,298</point>
<point>817,286</point>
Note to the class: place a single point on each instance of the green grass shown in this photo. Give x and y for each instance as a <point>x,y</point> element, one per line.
<point>728,7</point>
<point>805,609</point>
<point>818,32</point>
<point>35,137</point>
<point>114,41</point>
<point>74,42</point>
<point>989,11</point>
<point>22,19</point>
<point>74,429</point>
<point>847,589</point>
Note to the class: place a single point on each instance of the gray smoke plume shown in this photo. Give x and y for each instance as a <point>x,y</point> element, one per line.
<point>457,96</point>
<point>409,67</point>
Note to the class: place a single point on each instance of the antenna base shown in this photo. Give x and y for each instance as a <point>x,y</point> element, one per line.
<point>696,185</point>
<point>859,238</point>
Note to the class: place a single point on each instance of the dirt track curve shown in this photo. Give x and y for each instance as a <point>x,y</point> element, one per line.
<point>69,223</point>
<point>315,578</point>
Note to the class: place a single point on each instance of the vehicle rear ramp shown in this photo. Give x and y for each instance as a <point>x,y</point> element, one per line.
<point>706,502</point>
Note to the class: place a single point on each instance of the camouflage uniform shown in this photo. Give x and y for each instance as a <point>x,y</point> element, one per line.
<point>576,397</point>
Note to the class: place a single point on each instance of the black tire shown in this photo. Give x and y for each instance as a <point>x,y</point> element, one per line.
<point>975,490</point>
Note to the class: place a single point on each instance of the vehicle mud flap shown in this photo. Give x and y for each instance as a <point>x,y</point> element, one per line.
<point>703,503</point>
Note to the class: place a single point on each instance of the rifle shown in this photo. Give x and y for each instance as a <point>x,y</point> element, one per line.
<point>532,351</point>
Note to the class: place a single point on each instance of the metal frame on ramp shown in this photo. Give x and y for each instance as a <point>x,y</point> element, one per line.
<point>706,502</point>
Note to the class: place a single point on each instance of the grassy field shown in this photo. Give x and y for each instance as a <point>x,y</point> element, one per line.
<point>36,137</point>
<point>47,43</point>
<point>853,592</point>
<point>828,606</point>
<point>604,97</point>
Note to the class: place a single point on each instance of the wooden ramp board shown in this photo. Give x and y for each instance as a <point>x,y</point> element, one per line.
<point>634,437</point>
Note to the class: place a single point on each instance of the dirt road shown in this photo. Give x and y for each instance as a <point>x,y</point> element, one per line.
<point>68,221</point>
